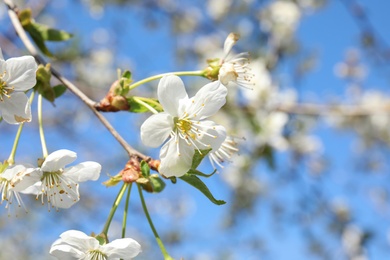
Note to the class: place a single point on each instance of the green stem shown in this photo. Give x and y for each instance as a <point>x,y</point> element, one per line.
<point>41,133</point>
<point>126,210</point>
<point>11,159</point>
<point>158,239</point>
<point>178,73</point>
<point>139,101</point>
<point>113,209</point>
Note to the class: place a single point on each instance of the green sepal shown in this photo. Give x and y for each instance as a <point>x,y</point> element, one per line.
<point>124,82</point>
<point>153,183</point>
<point>3,166</point>
<point>198,157</point>
<point>196,172</point>
<point>197,183</point>
<point>136,107</point>
<point>145,169</point>
<point>113,181</point>
<point>43,82</point>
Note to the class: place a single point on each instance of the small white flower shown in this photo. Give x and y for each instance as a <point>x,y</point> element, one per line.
<point>7,189</point>
<point>183,122</point>
<point>57,183</point>
<point>224,153</point>
<point>16,76</point>
<point>235,69</point>
<point>75,244</point>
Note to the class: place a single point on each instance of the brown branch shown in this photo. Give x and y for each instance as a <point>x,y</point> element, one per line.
<point>12,12</point>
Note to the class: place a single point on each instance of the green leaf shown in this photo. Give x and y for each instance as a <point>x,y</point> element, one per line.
<point>198,157</point>
<point>126,74</point>
<point>59,90</point>
<point>136,107</point>
<point>145,170</point>
<point>38,39</point>
<point>197,183</point>
<point>50,34</point>
<point>196,172</point>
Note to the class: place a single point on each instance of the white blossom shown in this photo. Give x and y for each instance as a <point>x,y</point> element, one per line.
<point>183,123</point>
<point>7,188</point>
<point>57,183</point>
<point>235,69</point>
<point>74,244</point>
<point>16,76</point>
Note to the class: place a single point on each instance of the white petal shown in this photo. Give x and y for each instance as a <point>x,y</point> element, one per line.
<point>207,101</point>
<point>26,179</point>
<point>63,196</point>
<point>63,251</point>
<point>156,129</point>
<point>20,73</point>
<point>57,160</point>
<point>16,108</point>
<point>1,56</point>
<point>11,172</point>
<point>229,43</point>
<point>215,134</point>
<point>83,172</point>
<point>125,248</point>
<point>35,189</point>
<point>173,163</point>
<point>79,240</point>
<point>170,91</point>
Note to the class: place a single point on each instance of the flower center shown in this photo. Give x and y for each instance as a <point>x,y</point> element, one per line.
<point>4,90</point>
<point>95,255</point>
<point>185,126</point>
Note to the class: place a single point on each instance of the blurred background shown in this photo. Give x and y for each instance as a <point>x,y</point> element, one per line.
<point>311,180</point>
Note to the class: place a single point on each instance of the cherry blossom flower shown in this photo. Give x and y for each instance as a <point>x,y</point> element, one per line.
<point>7,189</point>
<point>57,183</point>
<point>235,69</point>
<point>16,76</point>
<point>183,122</point>
<point>74,244</point>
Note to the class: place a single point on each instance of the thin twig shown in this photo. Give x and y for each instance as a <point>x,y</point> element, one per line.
<point>12,12</point>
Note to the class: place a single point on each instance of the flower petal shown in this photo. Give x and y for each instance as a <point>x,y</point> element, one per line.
<point>211,134</point>
<point>16,108</point>
<point>125,248</point>
<point>20,73</point>
<point>207,101</point>
<point>83,172</point>
<point>57,160</point>
<point>79,240</point>
<point>1,56</point>
<point>25,179</point>
<point>170,91</point>
<point>63,251</point>
<point>176,158</point>
<point>63,196</point>
<point>156,129</point>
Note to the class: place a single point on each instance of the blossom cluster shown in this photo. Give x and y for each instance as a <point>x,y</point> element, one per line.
<point>184,122</point>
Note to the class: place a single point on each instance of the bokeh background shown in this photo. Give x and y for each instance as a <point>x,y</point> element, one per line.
<point>311,180</point>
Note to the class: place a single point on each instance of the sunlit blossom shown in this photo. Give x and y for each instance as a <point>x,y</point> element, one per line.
<point>74,244</point>
<point>17,75</point>
<point>183,124</point>
<point>235,69</point>
<point>58,184</point>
